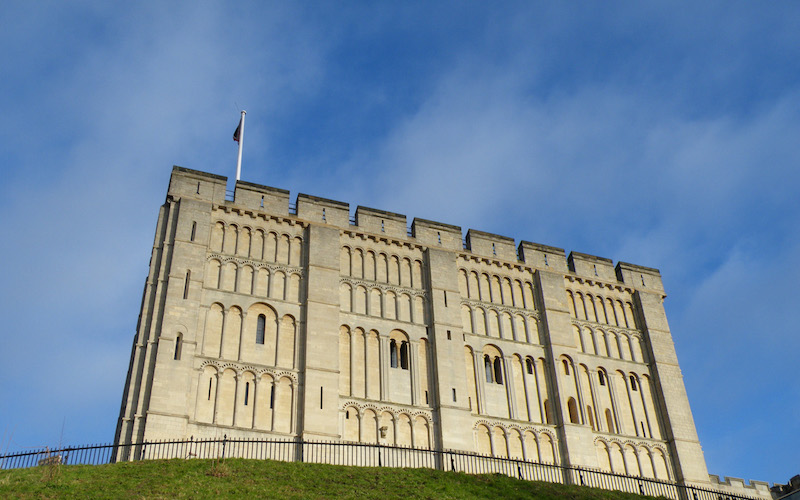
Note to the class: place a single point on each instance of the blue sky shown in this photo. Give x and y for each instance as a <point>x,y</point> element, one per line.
<point>663,134</point>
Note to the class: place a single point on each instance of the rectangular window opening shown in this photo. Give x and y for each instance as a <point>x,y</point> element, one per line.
<point>272,397</point>
<point>448,335</point>
<point>320,398</point>
<point>210,381</point>
<point>454,394</point>
<point>246,393</point>
<point>445,298</point>
<point>194,230</point>
<point>426,397</point>
<point>186,285</point>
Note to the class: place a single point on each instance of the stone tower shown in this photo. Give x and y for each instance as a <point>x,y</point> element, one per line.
<point>262,318</point>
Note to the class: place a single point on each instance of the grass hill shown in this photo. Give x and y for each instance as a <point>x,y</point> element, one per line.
<point>239,478</point>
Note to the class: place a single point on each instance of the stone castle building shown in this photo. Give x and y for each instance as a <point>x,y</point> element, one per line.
<point>265,319</point>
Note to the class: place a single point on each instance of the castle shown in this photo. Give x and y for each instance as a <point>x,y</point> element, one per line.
<point>263,318</point>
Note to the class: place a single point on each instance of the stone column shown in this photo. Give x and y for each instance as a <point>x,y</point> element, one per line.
<point>384,357</point>
<point>480,381</point>
<point>510,392</point>
<point>414,362</point>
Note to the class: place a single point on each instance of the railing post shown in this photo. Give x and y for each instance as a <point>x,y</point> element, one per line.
<point>224,442</point>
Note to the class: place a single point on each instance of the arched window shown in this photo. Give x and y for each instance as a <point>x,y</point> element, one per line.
<point>498,371</point>
<point>487,365</point>
<point>178,346</point>
<point>393,353</point>
<point>566,366</point>
<point>572,406</point>
<point>260,327</point>
<point>404,355</point>
<point>529,366</point>
<point>602,377</point>
<point>633,383</point>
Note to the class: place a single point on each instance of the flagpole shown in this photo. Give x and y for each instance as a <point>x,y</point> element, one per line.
<point>241,141</point>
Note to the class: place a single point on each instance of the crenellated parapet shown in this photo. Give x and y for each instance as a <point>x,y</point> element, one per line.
<point>737,486</point>
<point>390,225</point>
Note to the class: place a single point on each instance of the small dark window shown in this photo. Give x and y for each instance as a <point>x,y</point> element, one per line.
<point>448,335</point>
<point>272,397</point>
<point>198,188</point>
<point>324,219</point>
<point>246,393</point>
<point>445,298</point>
<point>633,383</point>
<point>494,250</point>
<point>320,398</point>
<point>426,397</point>
<point>566,367</point>
<point>545,260</point>
<point>194,230</point>
<point>210,381</point>
<point>595,269</point>
<point>487,366</point>
<point>178,347</point>
<point>454,395</point>
<point>186,285</point>
<point>498,371</point>
<point>347,415</point>
<point>383,228</point>
<point>393,353</point>
<point>261,324</point>
<point>439,235</point>
<point>404,355</point>
<point>262,201</point>
<point>602,378</point>
<point>529,366</point>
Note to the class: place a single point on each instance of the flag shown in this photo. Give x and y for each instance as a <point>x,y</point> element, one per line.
<point>237,132</point>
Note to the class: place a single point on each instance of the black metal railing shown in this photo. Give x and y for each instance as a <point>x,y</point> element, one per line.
<point>361,455</point>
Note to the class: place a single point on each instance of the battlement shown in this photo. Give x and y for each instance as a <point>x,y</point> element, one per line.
<point>737,486</point>
<point>318,210</point>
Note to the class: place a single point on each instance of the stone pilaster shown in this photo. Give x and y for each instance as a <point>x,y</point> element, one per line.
<point>679,428</point>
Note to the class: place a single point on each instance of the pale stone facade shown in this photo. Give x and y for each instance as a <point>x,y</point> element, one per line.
<point>263,320</point>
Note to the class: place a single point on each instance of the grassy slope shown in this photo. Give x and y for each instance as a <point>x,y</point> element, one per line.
<point>237,478</point>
